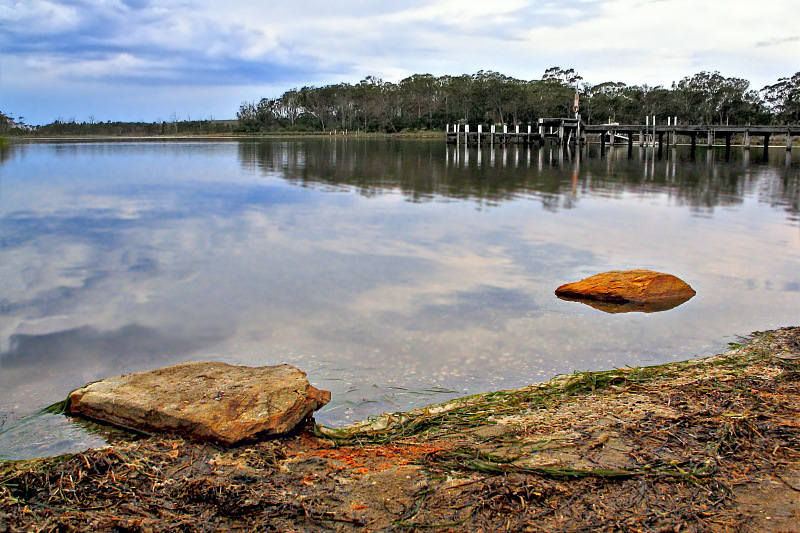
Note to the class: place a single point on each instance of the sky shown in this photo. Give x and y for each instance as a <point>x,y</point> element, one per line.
<point>149,60</point>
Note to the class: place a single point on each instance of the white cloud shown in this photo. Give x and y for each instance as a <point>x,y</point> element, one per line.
<point>42,16</point>
<point>201,43</point>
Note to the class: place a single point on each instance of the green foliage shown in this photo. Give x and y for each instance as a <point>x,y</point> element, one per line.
<point>71,128</point>
<point>425,102</point>
<point>783,99</point>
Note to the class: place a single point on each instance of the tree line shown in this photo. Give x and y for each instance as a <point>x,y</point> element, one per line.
<point>70,127</point>
<point>426,102</point>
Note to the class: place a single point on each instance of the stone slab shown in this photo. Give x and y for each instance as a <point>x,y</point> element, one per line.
<point>203,400</point>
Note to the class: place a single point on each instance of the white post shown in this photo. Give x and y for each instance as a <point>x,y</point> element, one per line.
<point>675,135</point>
<point>505,128</point>
<point>654,130</point>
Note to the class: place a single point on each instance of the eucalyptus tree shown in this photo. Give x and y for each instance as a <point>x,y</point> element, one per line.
<point>604,101</point>
<point>419,95</point>
<point>709,97</point>
<point>783,99</point>
<point>289,106</point>
<point>557,91</point>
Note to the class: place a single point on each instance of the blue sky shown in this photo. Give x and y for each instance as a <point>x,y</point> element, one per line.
<point>155,59</point>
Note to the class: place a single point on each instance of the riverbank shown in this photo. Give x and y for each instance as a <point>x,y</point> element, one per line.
<point>422,134</point>
<point>703,445</point>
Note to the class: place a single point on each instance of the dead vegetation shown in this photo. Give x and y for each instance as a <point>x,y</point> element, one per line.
<point>702,445</point>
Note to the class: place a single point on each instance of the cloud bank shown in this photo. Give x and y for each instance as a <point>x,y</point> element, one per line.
<point>141,59</point>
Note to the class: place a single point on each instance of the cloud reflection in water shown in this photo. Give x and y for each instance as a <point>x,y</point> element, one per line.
<point>384,269</point>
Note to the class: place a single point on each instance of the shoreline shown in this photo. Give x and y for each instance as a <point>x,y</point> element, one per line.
<point>228,136</point>
<point>708,444</point>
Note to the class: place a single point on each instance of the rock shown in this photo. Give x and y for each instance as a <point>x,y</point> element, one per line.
<point>628,290</point>
<point>629,307</point>
<point>203,401</point>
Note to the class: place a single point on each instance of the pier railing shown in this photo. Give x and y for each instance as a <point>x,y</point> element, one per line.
<point>566,131</point>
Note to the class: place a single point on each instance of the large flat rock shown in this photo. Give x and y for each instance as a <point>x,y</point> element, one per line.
<point>203,400</point>
<point>630,287</point>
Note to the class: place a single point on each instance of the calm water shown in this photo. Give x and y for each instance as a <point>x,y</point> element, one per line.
<point>396,273</point>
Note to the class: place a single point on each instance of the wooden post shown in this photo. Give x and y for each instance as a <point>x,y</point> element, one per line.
<point>788,141</point>
<point>710,137</point>
<point>669,133</point>
<point>675,131</point>
<point>728,145</point>
<point>480,132</point>
<point>630,144</point>
<point>654,130</point>
<point>746,143</point>
<point>766,145</point>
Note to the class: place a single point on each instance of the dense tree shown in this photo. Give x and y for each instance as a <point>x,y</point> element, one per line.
<point>783,99</point>
<point>424,101</point>
<point>710,98</point>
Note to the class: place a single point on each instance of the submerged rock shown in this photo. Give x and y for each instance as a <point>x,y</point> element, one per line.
<point>628,290</point>
<point>203,400</point>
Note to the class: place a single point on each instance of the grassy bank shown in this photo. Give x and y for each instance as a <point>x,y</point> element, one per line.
<point>703,445</point>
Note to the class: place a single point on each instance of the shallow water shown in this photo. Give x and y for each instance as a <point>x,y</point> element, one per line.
<point>396,273</point>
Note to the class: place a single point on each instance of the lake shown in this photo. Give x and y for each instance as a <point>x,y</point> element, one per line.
<point>396,273</point>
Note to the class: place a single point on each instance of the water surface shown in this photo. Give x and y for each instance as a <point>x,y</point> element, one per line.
<point>396,273</point>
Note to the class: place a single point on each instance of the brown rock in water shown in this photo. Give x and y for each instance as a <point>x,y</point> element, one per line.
<point>203,400</point>
<point>629,286</point>
<point>629,307</point>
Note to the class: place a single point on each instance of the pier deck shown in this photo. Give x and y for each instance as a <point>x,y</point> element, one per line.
<point>565,130</point>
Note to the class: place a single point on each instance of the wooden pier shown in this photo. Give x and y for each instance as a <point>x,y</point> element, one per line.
<point>463,134</point>
<point>568,131</point>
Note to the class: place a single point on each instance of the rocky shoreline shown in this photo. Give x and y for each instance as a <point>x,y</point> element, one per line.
<point>702,445</point>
